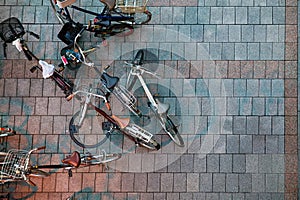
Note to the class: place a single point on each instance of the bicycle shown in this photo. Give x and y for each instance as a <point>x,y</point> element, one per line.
<point>12,31</point>
<point>117,16</point>
<point>159,109</point>
<point>87,113</point>
<point>5,131</point>
<point>16,164</point>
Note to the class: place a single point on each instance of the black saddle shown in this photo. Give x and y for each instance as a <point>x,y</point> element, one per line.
<point>109,81</point>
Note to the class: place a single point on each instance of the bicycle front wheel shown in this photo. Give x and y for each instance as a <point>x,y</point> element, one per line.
<point>142,18</point>
<point>86,129</point>
<point>172,131</point>
<point>38,173</point>
<point>100,159</point>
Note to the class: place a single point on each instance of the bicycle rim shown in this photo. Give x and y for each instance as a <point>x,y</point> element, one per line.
<point>38,173</point>
<point>90,133</point>
<point>142,18</point>
<point>98,159</point>
<point>172,131</point>
<point>152,144</point>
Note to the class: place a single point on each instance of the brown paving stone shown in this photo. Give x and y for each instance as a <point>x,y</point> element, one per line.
<point>75,182</point>
<point>18,70</point>
<point>290,106</point>
<point>41,106</point>
<point>1,87</point>
<point>221,69</point>
<point>246,69</point>
<point>46,125</point>
<point>140,182</point>
<point>27,72</point>
<point>281,69</point>
<point>21,123</point>
<point>66,107</point>
<point>272,69</point>
<point>49,183</point>
<point>290,87</point>
<point>25,142</point>
<point>10,87</point>
<point>114,182</point>
<point>259,69</point>
<point>169,64</point>
<point>14,142</point>
<point>291,164</point>
<point>101,183</point>
<point>6,66</point>
<point>291,33</point>
<point>88,180</point>
<point>183,3</point>
<point>290,124</point>
<point>158,3</point>
<point>62,181</point>
<point>196,69</point>
<point>59,124</point>
<point>54,106</point>
<point>291,68</point>
<point>290,3</point>
<point>119,196</point>
<point>49,88</point>
<point>23,87</point>
<point>15,107</point>
<point>291,196</point>
<point>51,143</point>
<point>291,182</point>
<point>291,144</point>
<point>234,69</point>
<point>291,51</point>
<point>55,196</point>
<point>183,69</point>
<point>209,68</point>
<point>28,106</point>
<point>127,182</point>
<point>34,124</point>
<point>38,141</point>
<point>39,196</point>
<point>291,15</point>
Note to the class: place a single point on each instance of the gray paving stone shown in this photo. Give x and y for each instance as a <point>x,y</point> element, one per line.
<point>153,184</point>
<point>258,106</point>
<point>166,184</point>
<point>189,87</point>
<point>166,15</point>
<point>199,163</point>
<point>280,103</point>
<point>245,182</point>
<point>265,125</point>
<point>232,106</point>
<point>254,15</point>
<point>239,163</point>
<point>266,15</point>
<point>210,2</point>
<point>222,33</point>
<point>202,51</point>
<point>140,182</point>
<point>197,33</point>
<point>259,144</point>
<point>281,182</point>
<point>258,183</point>
<point>233,144</point>
<point>277,125</point>
<point>187,163</point>
<point>271,106</point>
<point>191,16</point>
<point>213,163</point>
<point>277,196</point>
<point>266,50</point>
<point>245,144</point>
<point>278,15</point>
<point>234,33</point>
<point>214,86</point>
<point>271,182</point>
<point>226,163</point>
<point>264,163</point>
<point>241,15</point>
<point>239,125</point>
<point>41,13</point>
<point>277,87</point>
<point>203,15</point>
<point>171,196</point>
<point>247,33</point>
<point>180,182</point>
<point>218,182</point>
<point>232,183</point>
<point>220,105</point>
<point>227,51</point>
<point>260,33</point>
<point>210,33</point>
<point>245,106</point>
<point>228,15</point>
<point>225,196</point>
<point>177,51</point>
<point>235,2</point>
<point>281,146</point>
<point>193,180</point>
<point>190,52</point>
<point>253,51</point>
<point>206,182</point>
<point>207,106</point>
<point>215,51</point>
<point>240,51</point>
<point>173,163</point>
<point>251,163</point>
<point>23,87</point>
<point>239,86</point>
<point>272,33</point>
<point>227,87</point>
<point>178,15</point>
<point>260,3</point>
<point>216,15</point>
<point>223,3</point>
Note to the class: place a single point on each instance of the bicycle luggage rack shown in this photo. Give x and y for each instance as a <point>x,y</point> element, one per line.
<point>132,6</point>
<point>15,163</point>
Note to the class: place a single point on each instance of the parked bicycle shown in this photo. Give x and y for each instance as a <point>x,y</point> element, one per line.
<point>117,16</point>
<point>84,129</point>
<point>12,31</point>
<point>16,164</point>
<point>159,109</point>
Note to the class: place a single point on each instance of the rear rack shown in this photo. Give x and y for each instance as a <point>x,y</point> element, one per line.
<point>132,6</point>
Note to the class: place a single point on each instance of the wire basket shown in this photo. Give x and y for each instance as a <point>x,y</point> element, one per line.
<point>15,163</point>
<point>11,29</point>
<point>132,6</point>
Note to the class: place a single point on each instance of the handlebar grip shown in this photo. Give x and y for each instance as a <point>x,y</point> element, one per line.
<point>108,105</point>
<point>34,35</point>
<point>70,97</point>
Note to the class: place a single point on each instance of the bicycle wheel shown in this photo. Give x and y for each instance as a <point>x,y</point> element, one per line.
<point>38,173</point>
<point>100,159</point>
<point>90,133</point>
<point>142,18</point>
<point>58,12</point>
<point>172,130</point>
<point>152,144</point>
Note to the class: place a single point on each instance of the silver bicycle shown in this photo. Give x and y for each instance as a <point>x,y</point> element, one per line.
<point>159,109</point>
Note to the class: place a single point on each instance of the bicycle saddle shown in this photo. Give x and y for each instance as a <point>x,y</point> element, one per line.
<point>48,69</point>
<point>109,81</point>
<point>73,159</point>
<point>122,122</point>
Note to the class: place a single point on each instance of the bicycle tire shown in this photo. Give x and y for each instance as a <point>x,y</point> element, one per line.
<point>172,131</point>
<point>62,20</point>
<point>80,134</point>
<point>38,173</point>
<point>94,160</point>
<point>151,145</point>
<point>142,18</point>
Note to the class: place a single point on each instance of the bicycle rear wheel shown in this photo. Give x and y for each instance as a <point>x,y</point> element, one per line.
<point>142,18</point>
<point>100,159</point>
<point>172,131</point>
<point>90,133</point>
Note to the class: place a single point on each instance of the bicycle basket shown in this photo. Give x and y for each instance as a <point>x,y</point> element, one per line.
<point>68,32</point>
<point>11,29</point>
<point>15,163</point>
<point>132,6</point>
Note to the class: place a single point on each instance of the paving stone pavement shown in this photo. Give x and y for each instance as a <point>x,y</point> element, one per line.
<point>229,70</point>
